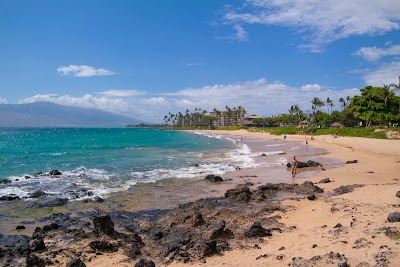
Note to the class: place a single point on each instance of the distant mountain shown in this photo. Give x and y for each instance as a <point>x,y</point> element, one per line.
<point>46,114</point>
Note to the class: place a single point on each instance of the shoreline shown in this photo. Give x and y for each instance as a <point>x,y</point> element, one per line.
<point>362,213</point>
<point>309,228</point>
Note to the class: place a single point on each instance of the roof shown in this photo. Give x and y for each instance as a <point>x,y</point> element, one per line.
<point>336,124</point>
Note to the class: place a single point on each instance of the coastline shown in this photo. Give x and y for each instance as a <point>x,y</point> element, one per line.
<point>309,228</point>
<point>362,213</point>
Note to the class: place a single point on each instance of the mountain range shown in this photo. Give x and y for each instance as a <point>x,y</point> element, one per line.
<point>46,114</point>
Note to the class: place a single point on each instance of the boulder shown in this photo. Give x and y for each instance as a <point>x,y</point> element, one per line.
<point>256,230</point>
<point>37,244</point>
<point>103,225</point>
<point>103,246</point>
<point>55,172</point>
<point>311,197</point>
<point>398,194</point>
<point>145,263</point>
<point>351,161</point>
<point>240,193</point>
<point>76,263</point>
<point>309,163</point>
<point>325,181</point>
<point>9,197</point>
<point>196,219</point>
<point>213,178</point>
<point>97,199</point>
<point>5,181</point>
<point>394,217</point>
<point>36,194</point>
<point>217,230</point>
<point>34,261</point>
<point>308,185</point>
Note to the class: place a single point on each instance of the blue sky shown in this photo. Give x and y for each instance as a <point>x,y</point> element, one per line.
<point>147,58</point>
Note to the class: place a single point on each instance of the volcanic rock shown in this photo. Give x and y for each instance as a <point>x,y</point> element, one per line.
<point>213,178</point>
<point>256,230</point>
<point>394,217</point>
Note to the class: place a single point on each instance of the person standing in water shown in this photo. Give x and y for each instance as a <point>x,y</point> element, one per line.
<point>294,166</point>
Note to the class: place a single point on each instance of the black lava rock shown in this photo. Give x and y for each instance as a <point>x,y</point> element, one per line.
<point>325,181</point>
<point>76,263</point>
<point>37,194</point>
<point>213,178</point>
<point>394,217</point>
<point>256,230</point>
<point>55,172</point>
<point>311,197</point>
<point>103,246</point>
<point>145,263</point>
<point>103,225</point>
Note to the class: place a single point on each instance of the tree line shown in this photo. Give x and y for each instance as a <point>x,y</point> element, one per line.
<point>201,118</point>
<point>374,106</point>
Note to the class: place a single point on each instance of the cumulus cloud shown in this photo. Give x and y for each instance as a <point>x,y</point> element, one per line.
<point>83,71</point>
<point>386,73</point>
<point>310,87</point>
<point>321,22</point>
<point>155,101</point>
<point>122,93</point>
<point>258,97</point>
<point>3,101</point>
<point>374,53</point>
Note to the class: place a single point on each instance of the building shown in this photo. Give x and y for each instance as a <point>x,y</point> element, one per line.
<point>229,117</point>
<point>250,120</point>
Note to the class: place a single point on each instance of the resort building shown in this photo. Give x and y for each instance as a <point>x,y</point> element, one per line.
<point>251,121</point>
<point>229,117</point>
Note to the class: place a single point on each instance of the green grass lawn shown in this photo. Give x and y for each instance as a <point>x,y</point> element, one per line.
<point>352,132</point>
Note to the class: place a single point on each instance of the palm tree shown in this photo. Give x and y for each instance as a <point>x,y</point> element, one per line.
<point>348,100</point>
<point>329,104</point>
<point>316,103</point>
<point>291,112</point>
<point>342,103</point>
<point>229,114</point>
<point>396,87</point>
<point>384,94</point>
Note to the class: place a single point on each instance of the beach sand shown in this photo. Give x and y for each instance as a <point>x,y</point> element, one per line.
<point>362,213</point>
<point>353,224</point>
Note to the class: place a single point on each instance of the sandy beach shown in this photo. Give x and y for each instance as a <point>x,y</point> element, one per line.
<point>361,214</point>
<point>346,227</point>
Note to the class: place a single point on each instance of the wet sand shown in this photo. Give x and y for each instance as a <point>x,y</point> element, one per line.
<point>362,213</point>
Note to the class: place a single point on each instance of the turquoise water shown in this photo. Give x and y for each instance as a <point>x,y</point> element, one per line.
<point>107,160</point>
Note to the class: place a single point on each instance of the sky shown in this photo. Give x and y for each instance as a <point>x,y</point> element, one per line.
<point>145,59</point>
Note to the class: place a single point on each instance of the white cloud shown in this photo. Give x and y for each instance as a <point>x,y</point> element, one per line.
<point>155,101</point>
<point>122,93</point>
<point>259,97</point>
<point>386,73</point>
<point>240,33</point>
<point>311,87</point>
<point>83,71</point>
<point>374,53</point>
<point>3,101</point>
<point>321,22</point>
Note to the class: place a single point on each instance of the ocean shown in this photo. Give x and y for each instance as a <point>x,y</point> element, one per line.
<point>100,161</point>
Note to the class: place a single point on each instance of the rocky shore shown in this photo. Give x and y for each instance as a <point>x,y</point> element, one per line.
<point>347,216</point>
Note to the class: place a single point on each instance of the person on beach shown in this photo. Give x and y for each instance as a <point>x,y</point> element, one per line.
<point>307,142</point>
<point>294,166</point>
<point>284,137</point>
